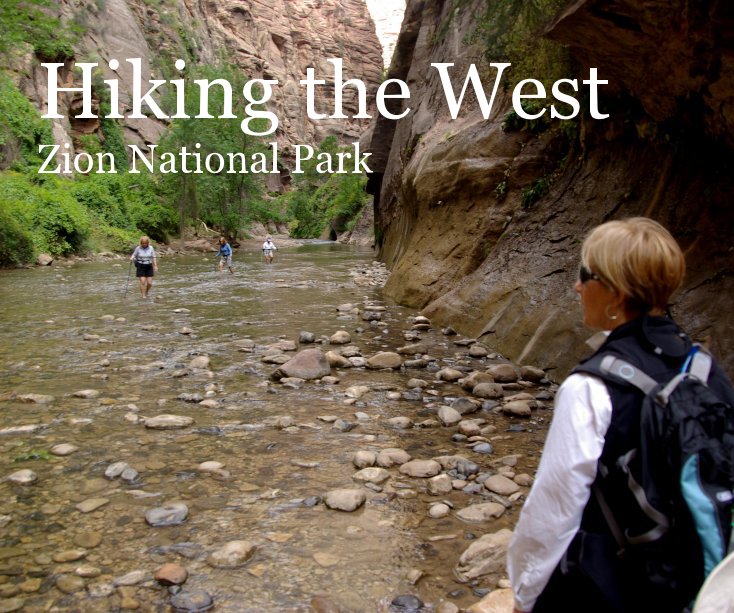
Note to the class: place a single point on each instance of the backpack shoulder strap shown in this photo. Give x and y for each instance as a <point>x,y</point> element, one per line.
<point>610,366</point>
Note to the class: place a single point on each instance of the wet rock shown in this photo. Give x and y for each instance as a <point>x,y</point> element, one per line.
<point>337,360</point>
<point>129,475</point>
<point>326,559</point>
<point>371,316</point>
<point>340,337</point>
<point>171,574</point>
<point>523,480</point>
<point>22,477</point>
<point>477,513</point>
<point>69,584</point>
<point>307,364</point>
<point>8,604</point>
<point>345,499</point>
<point>64,449</point>
<point>192,602</point>
<point>419,383</point>
<point>440,485</point>
<point>91,504</point>
<point>478,351</point>
<point>115,470</point>
<point>401,422</point>
<point>356,391</point>
<point>132,578</point>
<point>100,590</point>
<point>210,466</point>
<point>421,468</point>
<point>322,604</point>
<point>405,603</point>
<point>448,416</point>
<point>487,390</point>
<point>88,540</point>
<point>384,359</point>
<point>170,515</point>
<point>186,331</point>
<point>483,447</point>
<point>87,571</point>
<point>69,556</point>
<point>306,338</point>
<point>358,362</point>
<point>392,456</point>
<point>532,373</point>
<point>364,459</point>
<point>439,510</point>
<point>465,405</point>
<point>168,422</point>
<point>190,397</point>
<point>371,474</point>
<point>484,556</point>
<point>343,426</point>
<point>231,555</point>
<point>497,601</point>
<point>503,373</point>
<point>500,484</point>
<point>470,427</point>
<point>27,429</point>
<point>413,349</point>
<point>35,398</point>
<point>449,374</point>
<point>86,394</point>
<point>277,358</point>
<point>199,362</point>
<point>517,408</point>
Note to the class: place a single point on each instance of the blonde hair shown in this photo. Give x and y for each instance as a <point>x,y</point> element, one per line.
<point>144,239</point>
<point>638,258</point>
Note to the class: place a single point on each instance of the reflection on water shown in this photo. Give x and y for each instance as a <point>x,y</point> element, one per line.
<point>82,327</point>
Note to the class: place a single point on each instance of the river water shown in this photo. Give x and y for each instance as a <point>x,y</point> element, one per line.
<point>81,326</point>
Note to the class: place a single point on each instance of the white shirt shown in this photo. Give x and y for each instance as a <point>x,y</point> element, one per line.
<point>552,512</point>
<point>269,245</point>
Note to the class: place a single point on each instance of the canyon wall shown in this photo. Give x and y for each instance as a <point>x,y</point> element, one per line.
<point>278,40</point>
<point>453,220</point>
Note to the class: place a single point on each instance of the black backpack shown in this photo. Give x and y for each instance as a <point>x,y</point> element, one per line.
<point>672,519</point>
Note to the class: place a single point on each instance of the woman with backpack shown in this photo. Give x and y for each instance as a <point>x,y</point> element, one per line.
<point>572,549</point>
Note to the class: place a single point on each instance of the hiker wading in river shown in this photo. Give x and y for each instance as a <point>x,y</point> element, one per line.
<point>146,265</point>
<point>224,254</point>
<point>268,249</point>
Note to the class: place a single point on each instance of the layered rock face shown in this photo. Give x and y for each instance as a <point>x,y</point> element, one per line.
<point>266,40</point>
<point>449,206</point>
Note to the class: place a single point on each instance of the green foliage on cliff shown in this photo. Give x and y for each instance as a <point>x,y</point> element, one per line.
<point>319,200</point>
<point>511,31</point>
<point>32,22</point>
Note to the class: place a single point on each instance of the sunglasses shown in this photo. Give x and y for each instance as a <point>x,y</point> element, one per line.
<point>586,275</point>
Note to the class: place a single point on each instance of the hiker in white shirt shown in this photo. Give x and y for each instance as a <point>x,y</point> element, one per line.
<point>268,249</point>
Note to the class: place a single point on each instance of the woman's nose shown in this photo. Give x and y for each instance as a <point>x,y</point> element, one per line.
<point>578,286</point>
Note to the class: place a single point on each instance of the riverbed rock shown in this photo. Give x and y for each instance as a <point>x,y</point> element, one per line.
<point>487,390</point>
<point>22,477</point>
<point>340,337</point>
<point>448,416</point>
<point>449,374</point>
<point>172,514</point>
<point>420,468</point>
<point>337,360</point>
<point>439,510</point>
<point>64,449</point>
<point>168,422</point>
<point>194,601</point>
<point>27,429</point>
<point>44,259</point>
<point>440,485</point>
<point>497,601</point>
<point>35,398</point>
<point>364,459</point>
<point>501,485</point>
<point>171,574</point>
<point>401,422</point>
<point>371,474</point>
<point>115,470</point>
<point>91,504</point>
<point>88,540</point>
<point>517,408</point>
<point>392,456</point>
<point>484,556</point>
<point>345,499</point>
<point>503,373</point>
<point>356,391</point>
<point>200,362</point>
<point>231,555</point>
<point>384,359</point>
<point>86,394</point>
<point>478,513</point>
<point>308,364</point>
<point>69,584</point>
<point>305,338</point>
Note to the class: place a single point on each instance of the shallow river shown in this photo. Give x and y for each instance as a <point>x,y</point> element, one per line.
<point>75,327</point>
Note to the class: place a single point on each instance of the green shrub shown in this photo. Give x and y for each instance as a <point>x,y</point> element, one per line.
<point>16,244</point>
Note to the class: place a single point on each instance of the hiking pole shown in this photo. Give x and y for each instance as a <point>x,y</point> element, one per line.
<point>129,269</point>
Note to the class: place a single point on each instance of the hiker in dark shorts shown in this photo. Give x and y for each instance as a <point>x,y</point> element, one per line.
<point>146,264</point>
<point>564,553</point>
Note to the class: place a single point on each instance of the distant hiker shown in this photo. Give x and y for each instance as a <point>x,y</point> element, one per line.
<point>146,265</point>
<point>224,254</point>
<point>578,545</point>
<point>268,248</point>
